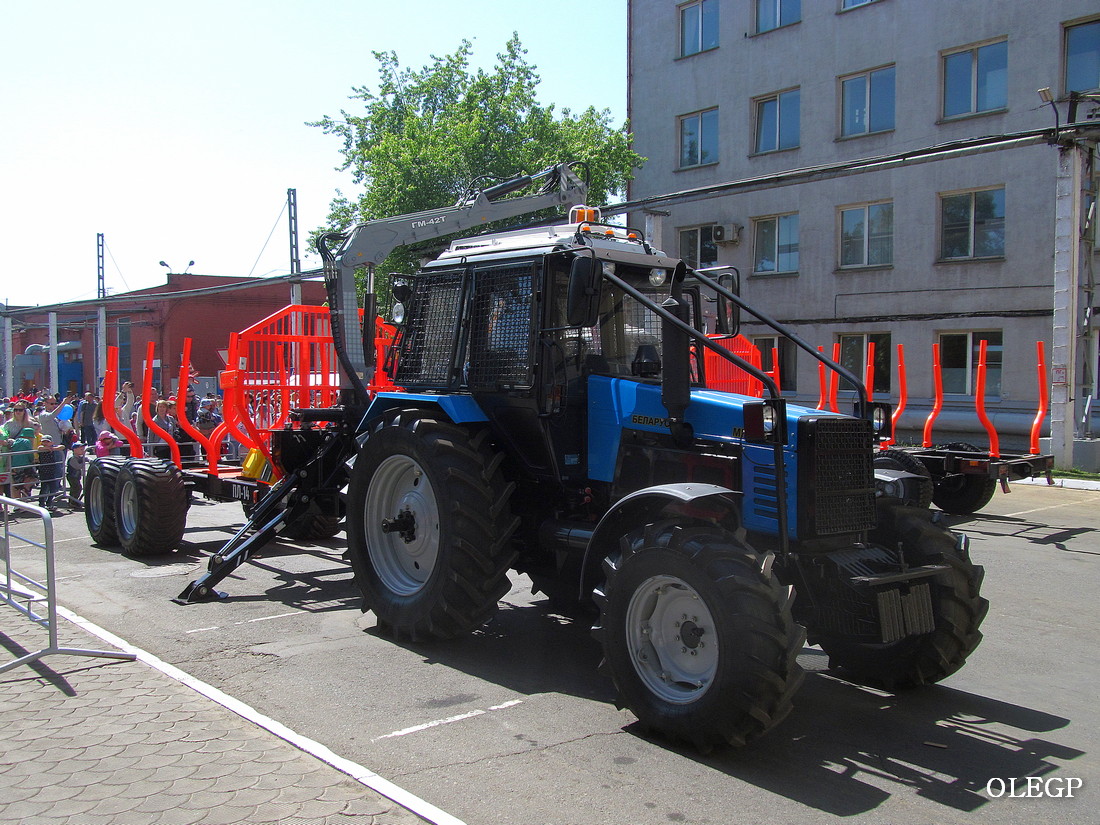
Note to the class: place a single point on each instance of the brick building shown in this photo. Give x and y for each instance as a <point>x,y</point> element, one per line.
<point>204,308</point>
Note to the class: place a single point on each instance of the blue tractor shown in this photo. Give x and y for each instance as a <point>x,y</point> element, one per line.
<point>555,420</point>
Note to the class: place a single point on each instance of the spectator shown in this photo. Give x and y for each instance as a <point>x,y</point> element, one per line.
<point>85,418</point>
<point>75,468</point>
<point>107,444</point>
<point>50,458</point>
<point>23,474</point>
<point>55,420</point>
<point>165,421</point>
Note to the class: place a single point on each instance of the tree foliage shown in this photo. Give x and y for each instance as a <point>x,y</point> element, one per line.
<point>423,138</point>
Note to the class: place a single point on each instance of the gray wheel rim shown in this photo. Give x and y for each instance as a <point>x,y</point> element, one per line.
<point>95,501</point>
<point>404,563</point>
<point>671,639</point>
<point>127,508</point>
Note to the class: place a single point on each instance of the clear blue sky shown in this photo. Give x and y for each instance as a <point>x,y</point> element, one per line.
<point>176,128</point>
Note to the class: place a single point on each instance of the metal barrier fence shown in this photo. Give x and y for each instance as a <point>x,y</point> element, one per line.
<point>28,595</point>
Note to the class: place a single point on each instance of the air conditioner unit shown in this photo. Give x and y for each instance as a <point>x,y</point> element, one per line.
<point>726,233</point>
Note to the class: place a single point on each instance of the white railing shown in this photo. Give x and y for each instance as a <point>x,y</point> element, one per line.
<point>28,596</point>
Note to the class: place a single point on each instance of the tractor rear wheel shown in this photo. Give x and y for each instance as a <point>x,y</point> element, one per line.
<point>150,507</point>
<point>429,526</point>
<point>957,609</point>
<point>963,494</point>
<point>697,634</point>
<point>99,499</point>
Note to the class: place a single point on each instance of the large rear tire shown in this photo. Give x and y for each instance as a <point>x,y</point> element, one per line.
<point>957,607</point>
<point>429,526</point>
<point>963,494</point>
<point>99,500</point>
<point>150,507</point>
<point>697,634</point>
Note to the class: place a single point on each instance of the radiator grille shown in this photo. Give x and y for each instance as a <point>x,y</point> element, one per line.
<point>842,480</point>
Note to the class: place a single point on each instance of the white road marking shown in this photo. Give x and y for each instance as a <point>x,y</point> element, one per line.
<point>249,621</point>
<point>437,722</point>
<point>365,776</point>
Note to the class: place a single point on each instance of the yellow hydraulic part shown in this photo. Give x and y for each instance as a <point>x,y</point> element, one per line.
<point>256,466</point>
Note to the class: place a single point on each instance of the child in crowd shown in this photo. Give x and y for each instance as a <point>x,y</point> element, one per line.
<point>50,458</point>
<point>75,468</point>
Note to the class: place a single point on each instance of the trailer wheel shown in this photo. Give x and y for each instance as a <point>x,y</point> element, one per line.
<point>963,494</point>
<point>99,499</point>
<point>150,507</point>
<point>697,634</point>
<point>915,491</point>
<point>957,606</point>
<point>429,526</point>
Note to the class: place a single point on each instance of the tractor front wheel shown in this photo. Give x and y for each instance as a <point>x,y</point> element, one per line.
<point>957,609</point>
<point>697,634</point>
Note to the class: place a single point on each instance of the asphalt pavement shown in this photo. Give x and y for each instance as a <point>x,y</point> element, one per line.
<point>269,706</point>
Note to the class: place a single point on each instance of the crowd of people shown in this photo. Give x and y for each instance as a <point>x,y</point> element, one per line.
<point>47,440</point>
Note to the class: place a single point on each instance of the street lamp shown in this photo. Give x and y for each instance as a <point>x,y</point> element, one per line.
<point>166,266</point>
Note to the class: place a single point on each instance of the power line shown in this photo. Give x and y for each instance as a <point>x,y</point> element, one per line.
<point>269,234</point>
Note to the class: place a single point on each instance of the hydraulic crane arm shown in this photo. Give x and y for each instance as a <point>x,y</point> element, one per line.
<point>368,244</point>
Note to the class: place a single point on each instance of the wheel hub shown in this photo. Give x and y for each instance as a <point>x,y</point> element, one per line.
<point>671,640</point>
<point>404,524</point>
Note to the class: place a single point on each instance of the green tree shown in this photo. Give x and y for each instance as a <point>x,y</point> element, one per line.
<point>425,137</point>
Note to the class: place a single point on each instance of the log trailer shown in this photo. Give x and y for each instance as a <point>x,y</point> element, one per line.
<point>553,418</point>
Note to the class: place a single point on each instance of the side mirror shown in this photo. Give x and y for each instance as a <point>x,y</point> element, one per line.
<point>582,296</point>
<point>729,313</point>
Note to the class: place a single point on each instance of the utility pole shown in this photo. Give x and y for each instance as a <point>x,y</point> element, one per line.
<point>1066,363</point>
<point>100,362</point>
<point>295,262</point>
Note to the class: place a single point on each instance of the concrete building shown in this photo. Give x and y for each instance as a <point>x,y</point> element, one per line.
<point>949,239</point>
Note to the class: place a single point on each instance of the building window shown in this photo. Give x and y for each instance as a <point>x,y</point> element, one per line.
<point>975,80</point>
<point>1083,57</point>
<point>867,102</point>
<point>867,235</point>
<point>787,369</point>
<point>851,4</point>
<point>853,356</point>
<point>771,14</point>
<point>776,244</point>
<point>698,27</point>
<point>972,225</point>
<point>959,353</point>
<point>697,246</point>
<point>699,138</point>
<point>777,121</point>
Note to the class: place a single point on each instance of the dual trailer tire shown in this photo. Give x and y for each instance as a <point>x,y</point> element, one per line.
<point>139,505</point>
<point>964,494</point>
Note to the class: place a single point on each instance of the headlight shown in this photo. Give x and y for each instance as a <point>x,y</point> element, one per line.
<point>878,419</point>
<point>398,313</point>
<point>657,277</point>
<point>769,418</point>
